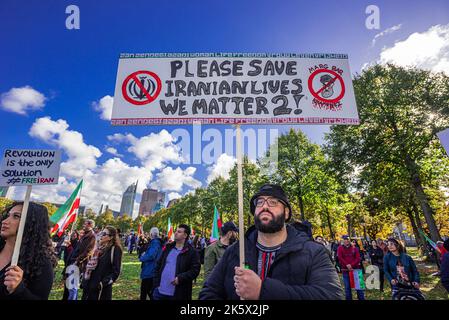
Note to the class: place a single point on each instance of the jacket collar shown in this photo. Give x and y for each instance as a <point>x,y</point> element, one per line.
<point>296,237</point>
<point>184,249</point>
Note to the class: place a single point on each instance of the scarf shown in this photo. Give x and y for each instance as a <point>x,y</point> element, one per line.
<point>93,261</point>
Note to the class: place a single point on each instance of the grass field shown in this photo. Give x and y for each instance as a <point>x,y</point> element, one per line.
<point>128,285</point>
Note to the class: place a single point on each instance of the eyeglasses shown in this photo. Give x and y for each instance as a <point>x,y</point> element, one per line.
<point>272,202</point>
<point>104,234</point>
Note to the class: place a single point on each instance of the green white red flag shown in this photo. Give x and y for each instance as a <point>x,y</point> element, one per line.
<point>66,214</point>
<point>216,226</point>
<point>170,233</point>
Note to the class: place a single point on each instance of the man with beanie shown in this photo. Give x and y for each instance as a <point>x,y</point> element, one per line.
<point>215,251</point>
<point>282,261</point>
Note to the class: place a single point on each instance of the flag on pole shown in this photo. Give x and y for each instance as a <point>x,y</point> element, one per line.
<point>356,279</point>
<point>193,232</point>
<point>433,244</point>
<point>139,229</point>
<point>66,214</point>
<point>216,226</point>
<point>170,234</point>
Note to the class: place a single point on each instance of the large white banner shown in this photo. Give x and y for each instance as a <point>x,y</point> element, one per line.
<point>182,88</point>
<point>30,167</point>
<point>444,138</point>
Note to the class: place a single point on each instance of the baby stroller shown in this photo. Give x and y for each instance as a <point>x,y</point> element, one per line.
<point>406,292</point>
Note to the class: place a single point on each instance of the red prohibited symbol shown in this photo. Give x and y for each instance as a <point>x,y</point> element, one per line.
<point>326,85</point>
<point>141,87</point>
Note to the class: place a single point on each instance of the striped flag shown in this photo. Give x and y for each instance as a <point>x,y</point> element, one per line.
<point>356,279</point>
<point>433,244</point>
<point>66,214</point>
<point>170,233</point>
<point>139,229</point>
<point>216,226</point>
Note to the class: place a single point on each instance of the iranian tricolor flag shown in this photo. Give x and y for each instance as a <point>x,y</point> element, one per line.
<point>170,233</point>
<point>67,213</point>
<point>139,229</point>
<point>216,226</point>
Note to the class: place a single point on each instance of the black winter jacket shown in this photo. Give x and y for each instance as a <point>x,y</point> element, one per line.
<point>301,270</point>
<point>187,269</point>
<point>105,274</point>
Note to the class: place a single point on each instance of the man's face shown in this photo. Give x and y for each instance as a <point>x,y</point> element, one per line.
<point>270,214</point>
<point>87,226</point>
<point>232,236</point>
<point>346,242</point>
<point>180,234</point>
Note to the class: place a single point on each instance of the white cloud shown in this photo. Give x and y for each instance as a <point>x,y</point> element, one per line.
<point>113,151</point>
<point>104,106</point>
<point>427,50</point>
<point>170,179</point>
<point>81,156</point>
<point>173,195</point>
<point>106,182</point>
<point>154,150</point>
<point>21,100</point>
<point>385,32</point>
<point>221,168</point>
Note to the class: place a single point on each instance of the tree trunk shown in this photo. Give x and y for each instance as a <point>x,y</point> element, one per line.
<point>301,207</point>
<point>418,236</point>
<point>348,218</point>
<point>422,198</point>
<point>415,211</point>
<point>329,224</point>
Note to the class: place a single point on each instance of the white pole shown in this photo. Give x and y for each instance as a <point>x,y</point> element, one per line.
<point>240,198</point>
<point>23,218</point>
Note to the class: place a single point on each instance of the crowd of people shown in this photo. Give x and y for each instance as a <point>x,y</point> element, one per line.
<point>282,260</point>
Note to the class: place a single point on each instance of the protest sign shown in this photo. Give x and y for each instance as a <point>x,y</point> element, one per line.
<point>444,139</point>
<point>177,88</point>
<point>30,167</point>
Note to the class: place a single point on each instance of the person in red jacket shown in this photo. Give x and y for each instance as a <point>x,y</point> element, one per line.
<point>349,258</point>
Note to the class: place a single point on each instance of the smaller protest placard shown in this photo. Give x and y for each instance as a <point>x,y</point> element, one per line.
<point>30,167</point>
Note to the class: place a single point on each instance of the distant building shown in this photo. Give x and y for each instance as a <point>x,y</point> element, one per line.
<point>128,198</point>
<point>150,198</point>
<point>400,233</point>
<point>158,207</point>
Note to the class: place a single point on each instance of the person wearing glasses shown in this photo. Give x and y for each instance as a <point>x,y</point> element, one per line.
<point>104,267</point>
<point>32,277</point>
<point>282,262</point>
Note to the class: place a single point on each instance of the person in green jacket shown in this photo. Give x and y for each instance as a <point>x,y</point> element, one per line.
<point>215,251</point>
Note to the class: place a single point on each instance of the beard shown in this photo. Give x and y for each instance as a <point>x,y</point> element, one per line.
<point>275,225</point>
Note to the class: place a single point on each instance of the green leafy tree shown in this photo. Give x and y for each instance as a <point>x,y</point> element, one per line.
<point>400,111</point>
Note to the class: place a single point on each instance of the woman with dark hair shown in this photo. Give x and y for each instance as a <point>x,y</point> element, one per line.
<point>104,267</point>
<point>400,270</point>
<point>32,278</point>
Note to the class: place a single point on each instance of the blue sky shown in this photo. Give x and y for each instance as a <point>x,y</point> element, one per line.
<point>73,69</point>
